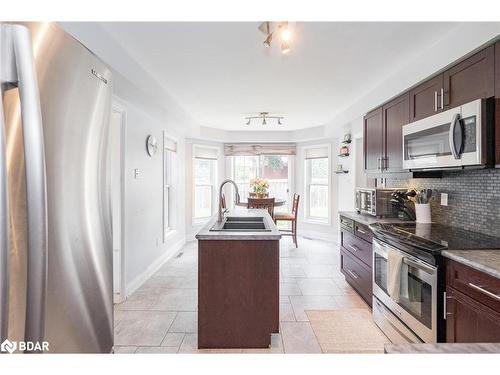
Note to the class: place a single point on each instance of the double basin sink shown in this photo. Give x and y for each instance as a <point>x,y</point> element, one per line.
<point>241,224</point>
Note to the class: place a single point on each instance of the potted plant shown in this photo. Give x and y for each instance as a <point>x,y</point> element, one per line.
<point>259,187</point>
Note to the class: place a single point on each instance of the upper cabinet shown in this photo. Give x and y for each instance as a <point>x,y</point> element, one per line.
<point>395,114</point>
<point>383,137</point>
<point>471,79</point>
<point>425,99</point>
<point>373,140</point>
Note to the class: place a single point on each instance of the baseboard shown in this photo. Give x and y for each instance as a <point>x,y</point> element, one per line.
<point>316,235</point>
<point>153,267</point>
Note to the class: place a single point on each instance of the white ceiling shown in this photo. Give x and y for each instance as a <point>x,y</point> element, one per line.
<point>220,72</point>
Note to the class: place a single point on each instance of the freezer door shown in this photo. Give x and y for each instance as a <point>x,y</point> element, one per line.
<point>75,96</point>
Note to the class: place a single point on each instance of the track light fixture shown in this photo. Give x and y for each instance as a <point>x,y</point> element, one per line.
<point>264,116</point>
<point>282,29</point>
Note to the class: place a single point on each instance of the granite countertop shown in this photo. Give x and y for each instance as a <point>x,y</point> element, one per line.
<point>487,261</point>
<point>273,234</point>
<point>368,219</point>
<point>442,348</point>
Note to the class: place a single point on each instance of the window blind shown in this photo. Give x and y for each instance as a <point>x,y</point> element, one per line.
<point>232,149</point>
<point>316,153</point>
<point>169,143</point>
<point>201,152</point>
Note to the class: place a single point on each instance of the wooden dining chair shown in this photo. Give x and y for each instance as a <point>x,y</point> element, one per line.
<point>291,217</point>
<point>263,203</point>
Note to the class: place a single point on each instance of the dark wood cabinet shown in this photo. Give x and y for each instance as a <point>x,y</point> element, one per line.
<point>356,256</point>
<point>497,103</point>
<point>425,99</point>
<point>472,305</point>
<point>395,114</point>
<point>469,320</point>
<point>471,79</point>
<point>383,136</point>
<point>373,140</point>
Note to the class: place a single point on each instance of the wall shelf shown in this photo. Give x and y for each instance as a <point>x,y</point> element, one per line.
<point>341,172</point>
<point>343,155</point>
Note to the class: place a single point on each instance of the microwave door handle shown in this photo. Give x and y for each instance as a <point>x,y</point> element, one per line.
<point>451,138</point>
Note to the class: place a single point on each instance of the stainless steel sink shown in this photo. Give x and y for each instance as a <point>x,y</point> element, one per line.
<point>242,224</point>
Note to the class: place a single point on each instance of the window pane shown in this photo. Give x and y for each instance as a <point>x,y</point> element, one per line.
<point>203,171</point>
<point>202,201</point>
<point>319,171</point>
<point>275,170</point>
<point>244,169</point>
<point>318,201</point>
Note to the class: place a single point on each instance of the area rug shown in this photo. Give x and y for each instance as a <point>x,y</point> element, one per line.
<point>347,331</point>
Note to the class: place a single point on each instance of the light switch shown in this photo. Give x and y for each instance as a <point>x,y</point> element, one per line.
<point>444,199</point>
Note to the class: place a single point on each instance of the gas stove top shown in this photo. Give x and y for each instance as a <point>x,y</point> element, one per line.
<point>428,240</point>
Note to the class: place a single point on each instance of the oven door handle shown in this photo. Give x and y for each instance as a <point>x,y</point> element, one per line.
<point>382,251</point>
<point>419,265</point>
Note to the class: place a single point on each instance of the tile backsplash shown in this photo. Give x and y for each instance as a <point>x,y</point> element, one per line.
<point>473,198</point>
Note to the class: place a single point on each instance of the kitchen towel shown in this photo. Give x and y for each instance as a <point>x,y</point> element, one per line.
<point>394,265</point>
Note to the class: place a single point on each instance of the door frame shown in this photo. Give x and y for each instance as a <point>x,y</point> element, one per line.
<point>118,106</point>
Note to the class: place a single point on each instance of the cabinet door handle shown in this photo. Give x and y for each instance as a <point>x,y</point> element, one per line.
<point>442,98</point>
<point>352,273</point>
<point>378,163</point>
<point>360,230</point>
<point>435,101</point>
<point>484,291</point>
<point>445,304</point>
<point>352,247</point>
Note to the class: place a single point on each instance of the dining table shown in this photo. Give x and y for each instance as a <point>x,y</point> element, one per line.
<point>277,202</point>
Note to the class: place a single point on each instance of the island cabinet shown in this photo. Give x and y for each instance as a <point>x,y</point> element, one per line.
<point>383,140</point>
<point>472,305</point>
<point>356,256</point>
<point>238,293</point>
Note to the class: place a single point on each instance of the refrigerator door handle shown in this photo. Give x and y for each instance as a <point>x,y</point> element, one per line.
<point>4,230</point>
<point>35,183</point>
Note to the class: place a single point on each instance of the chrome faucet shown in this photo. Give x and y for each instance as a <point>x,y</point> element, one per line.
<point>237,200</point>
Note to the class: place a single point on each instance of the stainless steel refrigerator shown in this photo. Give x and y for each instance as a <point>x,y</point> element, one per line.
<point>55,207</point>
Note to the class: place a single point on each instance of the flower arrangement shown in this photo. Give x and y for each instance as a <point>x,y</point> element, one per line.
<point>259,186</point>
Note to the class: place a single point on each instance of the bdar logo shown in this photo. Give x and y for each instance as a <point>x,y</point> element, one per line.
<point>8,346</point>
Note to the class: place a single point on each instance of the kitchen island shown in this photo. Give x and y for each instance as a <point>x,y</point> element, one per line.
<point>238,281</point>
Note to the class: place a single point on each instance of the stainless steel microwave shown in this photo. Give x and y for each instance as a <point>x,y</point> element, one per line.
<point>375,202</point>
<point>457,138</point>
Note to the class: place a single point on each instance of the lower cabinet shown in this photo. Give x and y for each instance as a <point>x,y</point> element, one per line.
<point>472,305</point>
<point>356,256</point>
<point>468,320</point>
<point>357,274</point>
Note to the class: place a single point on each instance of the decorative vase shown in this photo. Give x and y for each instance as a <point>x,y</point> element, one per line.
<point>423,212</point>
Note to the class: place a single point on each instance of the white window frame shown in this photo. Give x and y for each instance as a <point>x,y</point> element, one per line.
<point>307,184</point>
<point>169,172</point>
<point>202,220</point>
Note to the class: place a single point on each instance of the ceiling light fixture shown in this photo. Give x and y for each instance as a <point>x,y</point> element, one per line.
<point>282,29</point>
<point>264,116</point>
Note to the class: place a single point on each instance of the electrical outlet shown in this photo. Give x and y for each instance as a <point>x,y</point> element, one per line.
<point>137,173</point>
<point>444,199</point>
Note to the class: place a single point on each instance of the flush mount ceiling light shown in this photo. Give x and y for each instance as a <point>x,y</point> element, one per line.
<point>264,116</point>
<point>282,29</point>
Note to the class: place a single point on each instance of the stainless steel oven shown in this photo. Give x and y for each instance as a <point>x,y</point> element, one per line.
<point>456,138</point>
<point>410,316</point>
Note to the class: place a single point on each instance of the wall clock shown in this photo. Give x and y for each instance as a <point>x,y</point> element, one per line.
<point>151,145</point>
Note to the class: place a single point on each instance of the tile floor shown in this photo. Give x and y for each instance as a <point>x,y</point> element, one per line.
<point>161,317</point>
